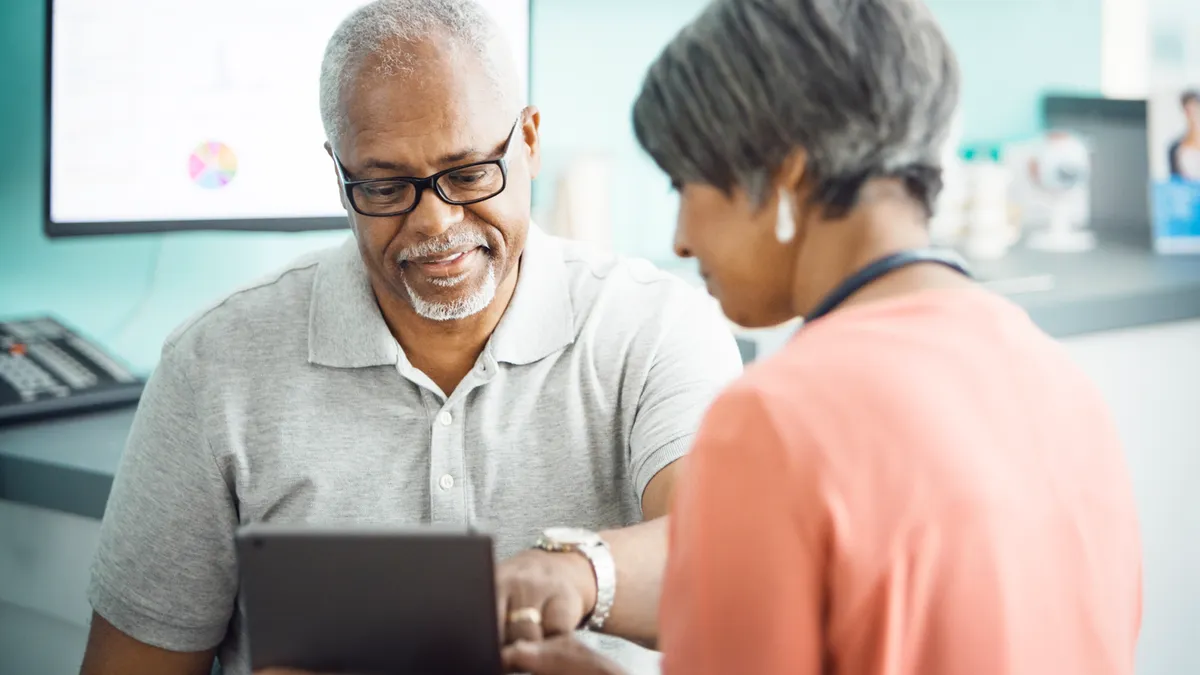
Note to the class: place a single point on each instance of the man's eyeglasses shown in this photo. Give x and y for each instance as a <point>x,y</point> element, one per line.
<point>459,185</point>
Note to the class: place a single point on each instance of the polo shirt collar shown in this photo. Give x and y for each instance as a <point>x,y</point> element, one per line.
<point>540,318</point>
<point>345,326</point>
<point>347,330</point>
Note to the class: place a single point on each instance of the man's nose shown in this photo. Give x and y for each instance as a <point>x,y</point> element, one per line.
<point>432,215</point>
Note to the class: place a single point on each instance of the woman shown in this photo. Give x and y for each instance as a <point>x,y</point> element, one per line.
<point>920,482</point>
<point>1184,154</point>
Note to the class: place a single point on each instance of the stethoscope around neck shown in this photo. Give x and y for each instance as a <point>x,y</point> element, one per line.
<point>882,267</point>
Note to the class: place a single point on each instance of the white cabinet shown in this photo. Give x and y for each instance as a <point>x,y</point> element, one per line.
<point>1151,378</point>
<point>44,560</point>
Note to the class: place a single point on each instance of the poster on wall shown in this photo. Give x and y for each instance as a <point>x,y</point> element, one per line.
<point>1174,125</point>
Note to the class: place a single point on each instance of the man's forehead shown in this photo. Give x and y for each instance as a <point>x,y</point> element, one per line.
<point>422,118</point>
<point>418,149</point>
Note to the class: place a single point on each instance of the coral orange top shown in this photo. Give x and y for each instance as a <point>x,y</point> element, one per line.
<point>917,486</point>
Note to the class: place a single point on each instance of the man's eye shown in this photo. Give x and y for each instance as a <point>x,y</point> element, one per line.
<point>381,190</point>
<point>468,177</point>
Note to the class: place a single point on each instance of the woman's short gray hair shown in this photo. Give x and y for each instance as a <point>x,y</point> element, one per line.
<point>866,87</point>
<point>384,28</point>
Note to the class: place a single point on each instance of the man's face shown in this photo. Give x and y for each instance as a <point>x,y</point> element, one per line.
<point>444,260</point>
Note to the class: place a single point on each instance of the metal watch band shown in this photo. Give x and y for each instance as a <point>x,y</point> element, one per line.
<point>605,570</point>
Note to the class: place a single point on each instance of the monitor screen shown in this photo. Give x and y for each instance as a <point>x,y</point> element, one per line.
<point>197,115</point>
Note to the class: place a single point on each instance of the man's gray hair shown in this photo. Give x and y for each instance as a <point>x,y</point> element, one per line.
<point>866,87</point>
<point>384,28</point>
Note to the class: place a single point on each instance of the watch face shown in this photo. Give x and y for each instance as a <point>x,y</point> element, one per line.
<point>571,536</point>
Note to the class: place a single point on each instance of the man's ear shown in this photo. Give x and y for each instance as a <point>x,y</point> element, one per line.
<point>531,134</point>
<point>337,176</point>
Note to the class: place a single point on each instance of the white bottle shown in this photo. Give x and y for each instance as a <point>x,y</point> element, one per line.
<point>989,231</point>
<point>946,225</point>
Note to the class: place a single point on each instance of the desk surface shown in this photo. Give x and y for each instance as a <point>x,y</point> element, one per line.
<point>1114,287</point>
<point>68,464</point>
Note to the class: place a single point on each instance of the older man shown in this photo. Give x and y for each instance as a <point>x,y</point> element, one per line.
<point>450,364</point>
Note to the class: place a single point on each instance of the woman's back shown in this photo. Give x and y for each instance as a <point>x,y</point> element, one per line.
<point>920,485</point>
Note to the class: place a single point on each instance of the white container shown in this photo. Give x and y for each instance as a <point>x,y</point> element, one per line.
<point>989,231</point>
<point>948,221</point>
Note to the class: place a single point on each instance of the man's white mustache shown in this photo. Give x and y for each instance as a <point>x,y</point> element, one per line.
<point>443,244</point>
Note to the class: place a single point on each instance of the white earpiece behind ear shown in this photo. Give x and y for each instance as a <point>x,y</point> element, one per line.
<point>785,221</point>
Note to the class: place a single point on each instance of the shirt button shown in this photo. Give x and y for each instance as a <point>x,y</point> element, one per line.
<point>446,482</point>
<point>445,418</point>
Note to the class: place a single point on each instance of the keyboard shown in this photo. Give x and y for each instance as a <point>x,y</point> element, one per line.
<point>47,369</point>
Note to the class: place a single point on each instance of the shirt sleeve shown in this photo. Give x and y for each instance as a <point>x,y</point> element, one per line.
<point>165,571</point>
<point>744,584</point>
<point>695,358</point>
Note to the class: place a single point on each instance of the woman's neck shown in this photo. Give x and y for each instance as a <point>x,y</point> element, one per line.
<point>832,251</point>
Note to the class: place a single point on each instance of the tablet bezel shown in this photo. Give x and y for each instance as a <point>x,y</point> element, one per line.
<point>342,599</point>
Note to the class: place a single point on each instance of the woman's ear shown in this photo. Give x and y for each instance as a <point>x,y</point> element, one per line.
<point>792,172</point>
<point>792,195</point>
<point>789,183</point>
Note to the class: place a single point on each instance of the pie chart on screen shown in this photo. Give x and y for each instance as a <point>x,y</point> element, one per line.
<point>212,165</point>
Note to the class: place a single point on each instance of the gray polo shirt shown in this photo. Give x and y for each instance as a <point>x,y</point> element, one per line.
<point>290,401</point>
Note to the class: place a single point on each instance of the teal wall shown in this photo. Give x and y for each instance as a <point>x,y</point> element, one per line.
<point>1013,51</point>
<point>130,291</point>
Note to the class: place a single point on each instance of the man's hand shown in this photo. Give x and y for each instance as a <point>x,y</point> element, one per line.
<point>542,594</point>
<point>561,656</point>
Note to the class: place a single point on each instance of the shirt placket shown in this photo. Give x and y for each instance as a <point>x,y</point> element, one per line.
<point>447,475</point>
<point>449,502</point>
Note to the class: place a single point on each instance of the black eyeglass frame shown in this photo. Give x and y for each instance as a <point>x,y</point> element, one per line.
<point>429,182</point>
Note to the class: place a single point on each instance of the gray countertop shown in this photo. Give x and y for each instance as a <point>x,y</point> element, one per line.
<point>1116,286</point>
<point>67,464</point>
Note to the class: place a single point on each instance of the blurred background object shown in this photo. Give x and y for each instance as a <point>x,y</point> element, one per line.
<point>1114,131</point>
<point>582,206</point>
<point>946,226</point>
<point>1174,125</point>
<point>1051,176</point>
<point>990,223</point>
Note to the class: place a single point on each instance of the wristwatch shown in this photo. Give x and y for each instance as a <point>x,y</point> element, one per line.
<point>595,549</point>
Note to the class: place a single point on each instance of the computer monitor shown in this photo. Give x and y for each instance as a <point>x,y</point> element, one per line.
<point>165,116</point>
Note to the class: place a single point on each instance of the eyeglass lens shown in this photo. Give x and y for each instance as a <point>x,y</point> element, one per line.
<point>467,184</point>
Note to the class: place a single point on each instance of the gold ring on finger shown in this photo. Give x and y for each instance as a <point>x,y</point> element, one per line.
<point>526,615</point>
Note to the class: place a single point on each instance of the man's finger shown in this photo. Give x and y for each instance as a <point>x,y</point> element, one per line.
<point>561,616</point>
<point>530,657</point>
<point>560,656</point>
<point>524,619</point>
<point>519,657</point>
<point>502,615</point>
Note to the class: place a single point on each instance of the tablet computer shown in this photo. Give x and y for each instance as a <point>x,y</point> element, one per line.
<point>369,600</point>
